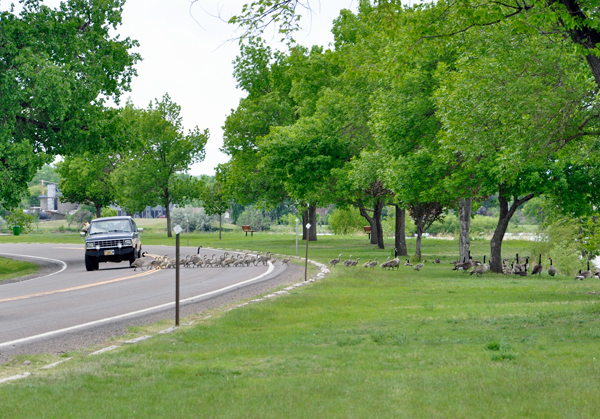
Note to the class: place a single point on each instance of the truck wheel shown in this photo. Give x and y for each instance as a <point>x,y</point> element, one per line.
<point>132,256</point>
<point>91,263</point>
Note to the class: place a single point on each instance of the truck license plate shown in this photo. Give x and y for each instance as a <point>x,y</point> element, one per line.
<point>109,252</point>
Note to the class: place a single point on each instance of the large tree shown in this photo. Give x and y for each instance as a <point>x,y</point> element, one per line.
<point>56,68</point>
<point>154,172</point>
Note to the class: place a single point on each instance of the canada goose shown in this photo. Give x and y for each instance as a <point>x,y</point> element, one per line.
<point>579,277</point>
<point>199,247</point>
<point>418,266</point>
<point>437,261</point>
<point>394,263</point>
<point>366,264</point>
<point>348,262</point>
<point>481,269</point>
<point>334,262</point>
<point>408,263</point>
<point>384,264</point>
<point>520,267</point>
<point>355,262</point>
<point>139,263</point>
<point>374,263</point>
<point>285,261</point>
<point>537,269</point>
<point>551,269</point>
<point>465,266</point>
<point>522,273</point>
<point>274,261</point>
<point>588,273</point>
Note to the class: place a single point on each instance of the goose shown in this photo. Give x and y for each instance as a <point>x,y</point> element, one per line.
<point>579,277</point>
<point>354,263</point>
<point>537,269</point>
<point>274,261</point>
<point>551,269</point>
<point>140,262</point>
<point>408,263</point>
<point>348,262</point>
<point>465,266</point>
<point>481,269</point>
<point>418,266</point>
<point>366,264</point>
<point>522,273</point>
<point>437,261</point>
<point>374,263</point>
<point>334,262</point>
<point>394,263</point>
<point>285,261</point>
<point>588,273</point>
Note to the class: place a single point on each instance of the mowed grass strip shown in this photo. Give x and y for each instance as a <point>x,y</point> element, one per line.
<point>361,343</point>
<point>10,268</point>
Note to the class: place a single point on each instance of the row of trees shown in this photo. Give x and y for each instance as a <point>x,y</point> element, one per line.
<point>406,110</point>
<point>145,167</point>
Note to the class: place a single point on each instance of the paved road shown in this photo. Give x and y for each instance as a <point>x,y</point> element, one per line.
<point>68,298</point>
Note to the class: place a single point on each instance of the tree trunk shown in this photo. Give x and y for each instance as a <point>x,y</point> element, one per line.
<point>464,216</point>
<point>304,222</point>
<point>312,219</point>
<point>418,244</point>
<point>168,213</point>
<point>400,236</point>
<point>376,230</point>
<point>220,226</point>
<point>98,211</point>
<point>378,209</point>
<point>506,214</point>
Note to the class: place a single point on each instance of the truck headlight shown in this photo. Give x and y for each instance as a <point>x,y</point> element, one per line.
<point>127,242</point>
<point>89,245</point>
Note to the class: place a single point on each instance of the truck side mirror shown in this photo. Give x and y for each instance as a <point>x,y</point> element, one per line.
<point>140,230</point>
<point>82,234</point>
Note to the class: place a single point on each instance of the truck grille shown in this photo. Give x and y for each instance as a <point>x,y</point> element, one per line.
<point>108,243</point>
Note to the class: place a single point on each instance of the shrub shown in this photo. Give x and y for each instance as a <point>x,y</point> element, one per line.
<point>108,212</point>
<point>19,218</point>
<point>197,218</point>
<point>346,221</point>
<point>254,217</point>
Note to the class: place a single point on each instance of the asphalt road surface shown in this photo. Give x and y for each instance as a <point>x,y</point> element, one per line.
<point>64,306</point>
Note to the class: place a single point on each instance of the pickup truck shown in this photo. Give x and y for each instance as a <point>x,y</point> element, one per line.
<point>111,239</point>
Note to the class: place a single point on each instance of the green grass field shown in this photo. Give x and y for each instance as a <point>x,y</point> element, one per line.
<point>361,343</point>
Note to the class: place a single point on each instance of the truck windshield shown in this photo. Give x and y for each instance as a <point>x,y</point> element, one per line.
<point>110,226</point>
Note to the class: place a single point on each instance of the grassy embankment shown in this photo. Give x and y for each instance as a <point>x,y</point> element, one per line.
<point>362,343</point>
<point>10,268</point>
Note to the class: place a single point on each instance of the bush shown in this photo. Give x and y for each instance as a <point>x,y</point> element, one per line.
<point>198,219</point>
<point>256,218</point>
<point>346,221</point>
<point>19,218</point>
<point>83,216</point>
<point>108,212</point>
<point>3,225</point>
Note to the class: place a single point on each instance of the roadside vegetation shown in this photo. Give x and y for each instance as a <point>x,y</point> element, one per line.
<point>10,268</point>
<point>361,343</point>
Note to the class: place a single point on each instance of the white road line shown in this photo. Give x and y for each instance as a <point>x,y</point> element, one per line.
<point>64,264</point>
<point>133,313</point>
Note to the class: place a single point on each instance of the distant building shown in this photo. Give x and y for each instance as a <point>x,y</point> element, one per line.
<point>148,212</point>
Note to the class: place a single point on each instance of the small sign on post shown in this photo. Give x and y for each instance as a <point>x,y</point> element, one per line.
<point>177,229</point>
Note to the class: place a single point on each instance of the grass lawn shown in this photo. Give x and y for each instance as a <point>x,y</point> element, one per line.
<point>361,343</point>
<point>10,268</point>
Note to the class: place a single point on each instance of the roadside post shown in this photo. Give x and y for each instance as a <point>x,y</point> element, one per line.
<point>308,225</point>
<point>296,237</point>
<point>187,230</point>
<point>177,229</point>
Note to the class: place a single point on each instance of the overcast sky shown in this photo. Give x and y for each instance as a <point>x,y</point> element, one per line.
<point>187,53</point>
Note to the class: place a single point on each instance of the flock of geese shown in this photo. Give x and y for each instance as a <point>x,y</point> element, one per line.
<point>509,266</point>
<point>149,261</point>
<point>391,264</point>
